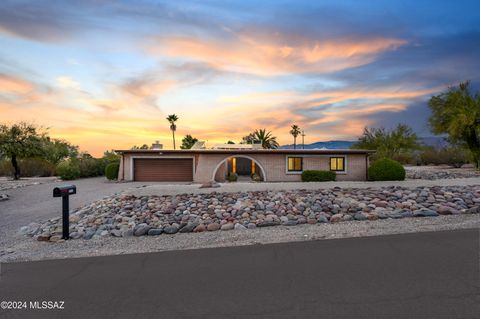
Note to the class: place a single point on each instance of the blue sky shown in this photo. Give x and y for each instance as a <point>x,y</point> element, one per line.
<point>105,74</point>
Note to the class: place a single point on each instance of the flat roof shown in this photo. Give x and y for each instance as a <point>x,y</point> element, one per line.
<point>248,151</point>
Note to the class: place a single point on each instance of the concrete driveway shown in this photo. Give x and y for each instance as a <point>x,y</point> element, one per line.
<point>35,202</point>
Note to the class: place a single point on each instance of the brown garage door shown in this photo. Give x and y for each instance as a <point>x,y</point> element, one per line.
<point>163,170</point>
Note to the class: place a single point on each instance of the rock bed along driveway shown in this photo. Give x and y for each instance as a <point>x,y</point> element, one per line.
<point>439,172</point>
<point>129,215</point>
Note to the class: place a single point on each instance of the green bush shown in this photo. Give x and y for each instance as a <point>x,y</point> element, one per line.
<point>111,171</point>
<point>232,177</point>
<point>386,170</point>
<point>256,177</point>
<point>90,167</point>
<point>318,176</point>
<point>68,170</point>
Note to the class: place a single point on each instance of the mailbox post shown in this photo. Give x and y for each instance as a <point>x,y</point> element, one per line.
<point>64,192</point>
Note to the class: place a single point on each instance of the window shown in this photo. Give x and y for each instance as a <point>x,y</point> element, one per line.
<point>295,164</point>
<point>337,164</point>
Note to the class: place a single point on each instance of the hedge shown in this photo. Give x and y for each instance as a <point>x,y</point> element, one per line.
<point>386,170</point>
<point>318,176</point>
<point>111,171</point>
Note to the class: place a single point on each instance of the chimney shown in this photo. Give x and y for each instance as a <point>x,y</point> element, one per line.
<point>157,146</point>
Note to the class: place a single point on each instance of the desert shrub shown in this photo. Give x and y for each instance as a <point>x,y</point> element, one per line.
<point>29,167</point>
<point>232,177</point>
<point>111,171</point>
<point>318,176</point>
<point>454,156</point>
<point>386,170</point>
<point>33,167</point>
<point>256,177</point>
<point>68,170</point>
<point>6,168</point>
<point>90,167</point>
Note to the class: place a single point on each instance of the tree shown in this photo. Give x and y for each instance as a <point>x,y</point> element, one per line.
<point>456,112</point>
<point>249,139</point>
<point>56,150</point>
<point>397,144</point>
<point>20,140</point>
<point>110,157</point>
<point>230,142</point>
<point>295,131</point>
<point>266,138</point>
<point>173,127</point>
<point>188,141</point>
<point>143,147</point>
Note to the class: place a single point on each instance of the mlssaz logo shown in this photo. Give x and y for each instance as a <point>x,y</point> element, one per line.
<point>47,304</point>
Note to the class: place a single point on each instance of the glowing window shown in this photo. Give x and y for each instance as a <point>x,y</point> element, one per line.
<point>295,164</point>
<point>337,164</point>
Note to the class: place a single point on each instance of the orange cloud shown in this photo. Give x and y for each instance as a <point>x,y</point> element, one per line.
<point>10,84</point>
<point>267,57</point>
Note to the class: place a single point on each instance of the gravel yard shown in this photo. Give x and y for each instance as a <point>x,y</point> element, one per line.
<point>439,172</point>
<point>28,249</point>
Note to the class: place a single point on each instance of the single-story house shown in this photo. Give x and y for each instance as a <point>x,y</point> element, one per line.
<point>270,165</point>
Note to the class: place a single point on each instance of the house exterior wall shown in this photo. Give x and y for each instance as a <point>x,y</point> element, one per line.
<point>212,166</point>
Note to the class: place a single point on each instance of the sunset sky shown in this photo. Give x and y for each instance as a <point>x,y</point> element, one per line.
<point>105,74</point>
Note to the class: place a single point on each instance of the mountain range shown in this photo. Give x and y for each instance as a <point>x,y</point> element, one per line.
<point>436,141</point>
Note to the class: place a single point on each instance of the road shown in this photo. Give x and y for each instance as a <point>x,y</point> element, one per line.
<point>423,275</point>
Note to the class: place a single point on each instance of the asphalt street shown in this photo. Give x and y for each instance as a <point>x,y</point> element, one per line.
<point>423,275</point>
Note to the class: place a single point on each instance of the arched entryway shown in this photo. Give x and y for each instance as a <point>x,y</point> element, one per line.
<point>244,166</point>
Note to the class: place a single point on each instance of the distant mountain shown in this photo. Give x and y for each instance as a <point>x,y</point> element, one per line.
<point>435,141</point>
<point>332,145</point>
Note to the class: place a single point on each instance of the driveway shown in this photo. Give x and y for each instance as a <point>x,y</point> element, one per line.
<point>425,275</point>
<point>35,202</point>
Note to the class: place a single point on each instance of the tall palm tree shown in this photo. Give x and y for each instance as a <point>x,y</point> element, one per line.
<point>295,131</point>
<point>267,139</point>
<point>173,127</point>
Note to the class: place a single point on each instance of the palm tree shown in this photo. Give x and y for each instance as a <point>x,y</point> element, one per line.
<point>266,138</point>
<point>173,127</point>
<point>295,131</point>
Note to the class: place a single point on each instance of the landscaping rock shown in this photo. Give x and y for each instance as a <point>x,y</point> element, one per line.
<point>188,228</point>
<point>141,230</point>
<point>170,229</point>
<point>127,215</point>
<point>239,227</point>
<point>227,226</point>
<point>213,227</point>
<point>425,213</point>
<point>155,232</point>
<point>116,233</point>
<point>200,228</point>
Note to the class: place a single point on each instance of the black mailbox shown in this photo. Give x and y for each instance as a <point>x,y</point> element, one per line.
<point>64,190</point>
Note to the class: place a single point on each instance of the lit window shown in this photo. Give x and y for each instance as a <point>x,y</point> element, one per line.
<point>337,164</point>
<point>295,164</point>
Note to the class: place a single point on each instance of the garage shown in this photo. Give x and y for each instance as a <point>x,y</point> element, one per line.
<point>163,169</point>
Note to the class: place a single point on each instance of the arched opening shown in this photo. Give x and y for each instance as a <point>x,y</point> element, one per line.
<point>245,167</point>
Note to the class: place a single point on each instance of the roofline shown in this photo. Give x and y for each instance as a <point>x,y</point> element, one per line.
<point>249,151</point>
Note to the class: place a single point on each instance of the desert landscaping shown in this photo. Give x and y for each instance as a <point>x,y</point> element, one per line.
<point>159,217</point>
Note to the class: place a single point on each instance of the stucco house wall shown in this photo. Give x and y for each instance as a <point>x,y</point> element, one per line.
<point>210,166</point>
